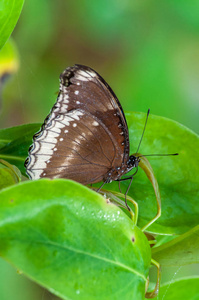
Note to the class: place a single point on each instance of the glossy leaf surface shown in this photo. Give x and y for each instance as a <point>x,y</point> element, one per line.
<point>72,241</point>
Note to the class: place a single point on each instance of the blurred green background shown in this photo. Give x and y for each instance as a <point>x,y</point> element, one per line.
<point>148,51</point>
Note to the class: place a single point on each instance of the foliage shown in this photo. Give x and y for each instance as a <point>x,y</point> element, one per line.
<point>55,216</point>
<point>65,236</point>
<point>184,288</point>
<point>10,12</point>
<point>73,241</point>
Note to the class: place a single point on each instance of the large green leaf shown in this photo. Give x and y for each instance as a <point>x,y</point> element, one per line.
<point>72,241</point>
<point>182,250</point>
<point>177,176</point>
<point>184,289</point>
<point>14,144</point>
<point>9,13</point>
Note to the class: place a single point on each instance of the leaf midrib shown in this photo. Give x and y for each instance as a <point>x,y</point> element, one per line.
<point>118,264</point>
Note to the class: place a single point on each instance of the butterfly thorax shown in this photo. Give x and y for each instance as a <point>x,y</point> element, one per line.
<point>118,172</point>
<point>132,162</point>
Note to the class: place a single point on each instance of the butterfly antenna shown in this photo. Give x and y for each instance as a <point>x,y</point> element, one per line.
<point>143,130</point>
<point>170,154</point>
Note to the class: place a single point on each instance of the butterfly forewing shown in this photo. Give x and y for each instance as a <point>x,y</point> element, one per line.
<point>85,136</point>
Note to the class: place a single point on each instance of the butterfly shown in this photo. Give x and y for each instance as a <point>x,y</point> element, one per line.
<point>85,137</point>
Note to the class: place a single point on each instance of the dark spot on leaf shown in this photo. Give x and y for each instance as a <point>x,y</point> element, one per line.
<point>133,239</point>
<point>11,200</point>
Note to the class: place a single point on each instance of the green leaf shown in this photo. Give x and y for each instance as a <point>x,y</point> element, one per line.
<point>10,12</point>
<point>15,142</point>
<point>182,250</point>
<point>186,288</point>
<point>9,174</point>
<point>177,176</point>
<point>6,178</point>
<point>72,241</point>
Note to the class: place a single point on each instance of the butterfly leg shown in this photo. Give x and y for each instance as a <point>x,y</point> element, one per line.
<point>124,179</point>
<point>101,186</point>
<point>119,187</point>
<point>127,193</point>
